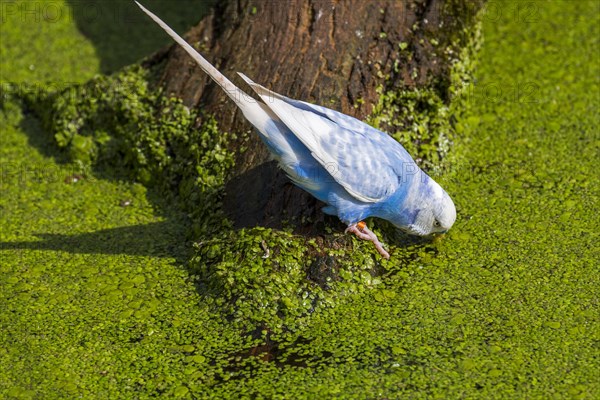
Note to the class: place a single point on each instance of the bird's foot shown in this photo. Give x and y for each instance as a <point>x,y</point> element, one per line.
<point>360,229</point>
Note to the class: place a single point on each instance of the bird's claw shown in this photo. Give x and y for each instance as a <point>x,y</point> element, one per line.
<point>360,229</point>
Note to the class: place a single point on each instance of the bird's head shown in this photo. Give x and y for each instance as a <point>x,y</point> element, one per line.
<point>436,213</point>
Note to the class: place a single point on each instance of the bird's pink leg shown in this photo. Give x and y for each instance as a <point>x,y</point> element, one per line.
<point>360,229</point>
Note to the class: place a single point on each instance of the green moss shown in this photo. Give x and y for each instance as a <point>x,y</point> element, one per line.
<point>273,279</point>
<point>122,122</point>
<point>420,118</point>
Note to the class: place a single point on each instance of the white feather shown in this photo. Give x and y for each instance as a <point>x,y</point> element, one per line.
<point>317,133</point>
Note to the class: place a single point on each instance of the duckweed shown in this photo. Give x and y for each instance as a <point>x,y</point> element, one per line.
<point>110,301</point>
<point>263,277</point>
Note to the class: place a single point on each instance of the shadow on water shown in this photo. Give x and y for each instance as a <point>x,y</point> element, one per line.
<point>166,238</point>
<point>122,34</point>
<point>154,239</point>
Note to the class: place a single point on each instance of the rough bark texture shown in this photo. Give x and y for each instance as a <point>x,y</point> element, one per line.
<point>334,53</point>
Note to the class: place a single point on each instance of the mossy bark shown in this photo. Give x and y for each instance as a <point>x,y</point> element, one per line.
<point>338,54</point>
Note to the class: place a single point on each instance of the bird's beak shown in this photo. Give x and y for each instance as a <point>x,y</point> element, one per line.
<point>437,236</point>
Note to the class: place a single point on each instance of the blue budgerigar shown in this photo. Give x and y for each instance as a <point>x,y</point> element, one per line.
<point>357,170</point>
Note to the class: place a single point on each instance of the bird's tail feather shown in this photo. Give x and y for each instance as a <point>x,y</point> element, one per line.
<point>235,93</point>
<point>257,113</point>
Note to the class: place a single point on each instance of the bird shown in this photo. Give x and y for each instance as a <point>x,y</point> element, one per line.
<point>356,170</point>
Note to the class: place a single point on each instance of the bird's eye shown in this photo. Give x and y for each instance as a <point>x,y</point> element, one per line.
<point>436,223</point>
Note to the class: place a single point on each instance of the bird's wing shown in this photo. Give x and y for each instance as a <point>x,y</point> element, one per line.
<point>367,164</point>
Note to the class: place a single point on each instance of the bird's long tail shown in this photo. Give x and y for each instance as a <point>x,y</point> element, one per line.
<point>235,93</point>
<point>280,141</point>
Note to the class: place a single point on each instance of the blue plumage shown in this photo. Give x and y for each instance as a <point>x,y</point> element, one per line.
<point>357,170</point>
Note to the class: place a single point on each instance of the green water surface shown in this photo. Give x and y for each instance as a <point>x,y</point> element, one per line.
<point>98,299</point>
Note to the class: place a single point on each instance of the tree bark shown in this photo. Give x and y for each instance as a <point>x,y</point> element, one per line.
<point>333,53</point>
